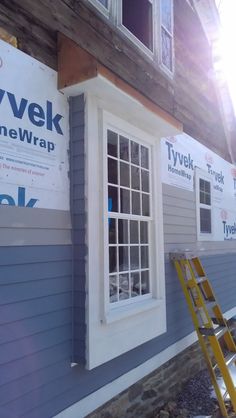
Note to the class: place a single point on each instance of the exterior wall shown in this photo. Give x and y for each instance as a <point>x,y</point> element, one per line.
<point>37,263</point>
<point>36,286</point>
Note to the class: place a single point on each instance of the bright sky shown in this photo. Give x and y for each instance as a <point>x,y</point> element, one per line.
<point>227,9</point>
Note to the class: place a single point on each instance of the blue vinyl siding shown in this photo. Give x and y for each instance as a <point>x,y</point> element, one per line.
<point>77,185</point>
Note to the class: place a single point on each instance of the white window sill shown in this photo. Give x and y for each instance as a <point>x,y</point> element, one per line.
<point>125,312</point>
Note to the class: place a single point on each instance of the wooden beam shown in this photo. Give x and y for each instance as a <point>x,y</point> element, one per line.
<point>76,65</point>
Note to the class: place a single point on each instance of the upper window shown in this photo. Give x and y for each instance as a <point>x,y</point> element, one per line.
<point>128,168</point>
<point>203,204</point>
<point>147,23</point>
<point>139,20</point>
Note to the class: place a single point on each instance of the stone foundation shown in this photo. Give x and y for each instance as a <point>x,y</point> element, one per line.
<point>146,397</point>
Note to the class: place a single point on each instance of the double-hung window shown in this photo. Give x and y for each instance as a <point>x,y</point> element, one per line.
<point>129,217</point>
<point>147,23</point>
<point>203,205</point>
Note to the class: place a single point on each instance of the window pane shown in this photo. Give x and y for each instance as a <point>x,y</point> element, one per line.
<point>123,231</point>
<point>145,205</point>
<point>166,43</point>
<point>112,230</point>
<point>207,187</point>
<point>124,175</point>
<point>136,203</point>
<point>166,14</point>
<point>123,259</point>
<point>207,199</point>
<point>112,199</point>
<point>134,258</point>
<point>145,180</point>
<point>202,197</point>
<point>205,220</point>
<point>113,289</point>
<point>144,157</point>
<point>135,178</point>
<point>124,201</point>
<point>134,232</point>
<point>124,148</point>
<point>135,284</point>
<point>112,259</point>
<point>112,143</point>
<point>138,20</point>
<point>134,153</point>
<point>144,257</point>
<point>143,232</point>
<point>123,286</point>
<point>112,171</point>
<point>202,184</point>
<point>145,282</point>
<point>104,3</point>
<point>205,192</point>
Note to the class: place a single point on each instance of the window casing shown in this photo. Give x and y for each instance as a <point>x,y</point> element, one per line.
<point>149,25</point>
<point>129,218</point>
<point>203,205</point>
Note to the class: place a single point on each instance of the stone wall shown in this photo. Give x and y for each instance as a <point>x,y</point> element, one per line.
<point>147,397</point>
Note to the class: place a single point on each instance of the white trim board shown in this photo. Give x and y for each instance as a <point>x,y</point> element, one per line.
<point>106,393</point>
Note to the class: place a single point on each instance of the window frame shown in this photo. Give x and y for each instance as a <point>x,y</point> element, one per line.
<point>113,312</point>
<point>131,36</point>
<point>120,216</point>
<point>201,174</point>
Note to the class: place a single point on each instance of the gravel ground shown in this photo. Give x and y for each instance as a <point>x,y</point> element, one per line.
<point>196,396</point>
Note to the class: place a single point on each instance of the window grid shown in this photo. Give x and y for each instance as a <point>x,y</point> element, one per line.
<point>129,264</point>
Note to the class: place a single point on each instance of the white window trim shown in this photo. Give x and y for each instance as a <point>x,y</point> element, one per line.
<point>201,174</point>
<point>139,322</point>
<point>114,13</point>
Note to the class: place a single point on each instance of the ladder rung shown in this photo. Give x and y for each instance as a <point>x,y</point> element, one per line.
<point>210,304</point>
<point>220,331</point>
<point>230,358</point>
<point>217,332</point>
<point>200,280</point>
<point>177,256</point>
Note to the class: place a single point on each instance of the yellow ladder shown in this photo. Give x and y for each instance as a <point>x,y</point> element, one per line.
<point>213,332</point>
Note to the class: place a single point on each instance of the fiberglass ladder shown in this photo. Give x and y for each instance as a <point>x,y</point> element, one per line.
<point>214,332</point>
